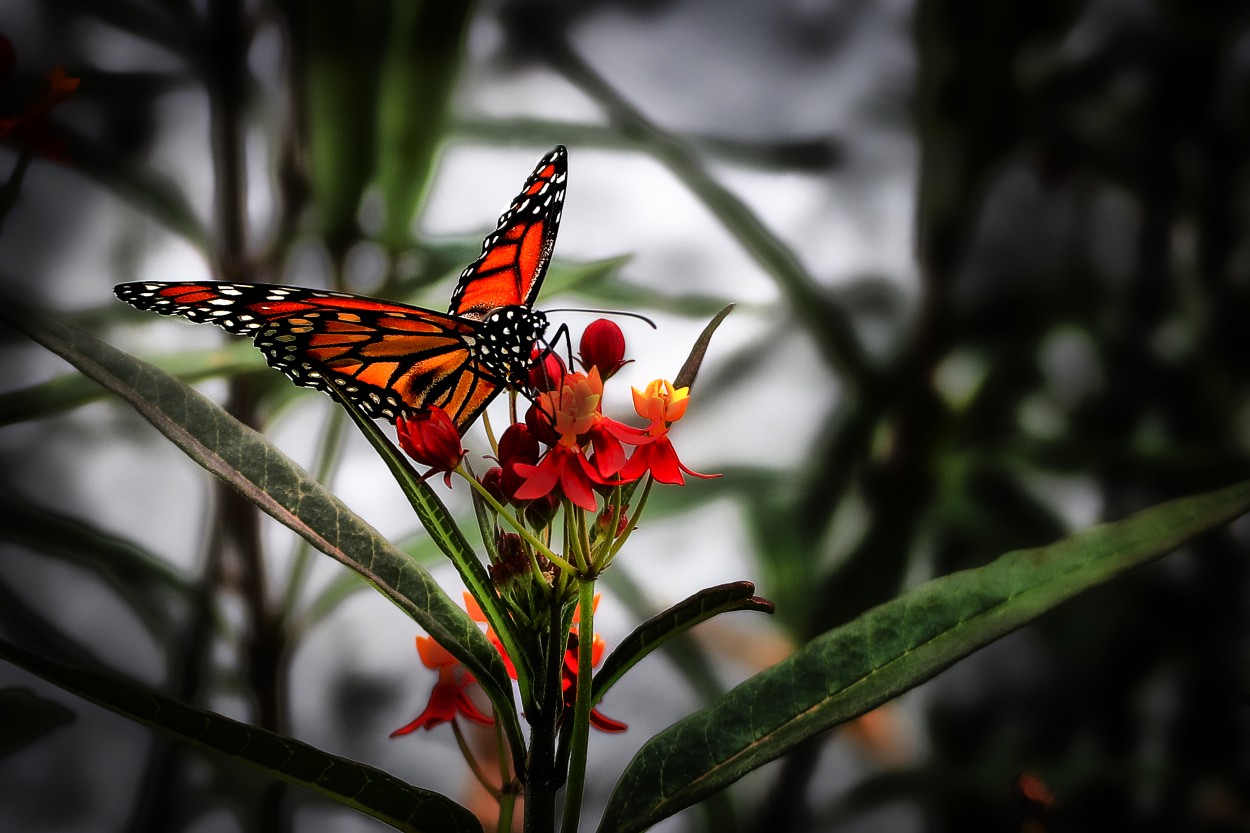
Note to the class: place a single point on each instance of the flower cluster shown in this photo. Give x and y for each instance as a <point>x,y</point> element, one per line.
<point>565,453</point>
<point>585,449</point>
<point>563,471</point>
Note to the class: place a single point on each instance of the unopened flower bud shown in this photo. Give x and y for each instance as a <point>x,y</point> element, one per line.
<point>602,346</point>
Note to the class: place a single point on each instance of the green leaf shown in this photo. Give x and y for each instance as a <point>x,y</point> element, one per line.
<point>73,389</point>
<point>694,361</point>
<point>25,717</point>
<point>890,649</point>
<point>681,617</point>
<point>261,473</point>
<point>356,785</point>
<point>146,583</point>
<point>338,61</point>
<point>423,57</point>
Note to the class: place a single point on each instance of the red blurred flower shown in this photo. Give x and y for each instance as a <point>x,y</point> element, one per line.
<point>430,437</point>
<point>33,126</point>
<point>448,698</point>
<point>602,347</point>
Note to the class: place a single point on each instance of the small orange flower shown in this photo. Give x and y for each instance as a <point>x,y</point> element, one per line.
<point>661,405</point>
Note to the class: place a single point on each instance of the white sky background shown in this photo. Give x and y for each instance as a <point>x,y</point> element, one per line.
<point>747,70</point>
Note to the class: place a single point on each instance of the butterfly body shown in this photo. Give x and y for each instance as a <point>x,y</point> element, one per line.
<point>393,359</point>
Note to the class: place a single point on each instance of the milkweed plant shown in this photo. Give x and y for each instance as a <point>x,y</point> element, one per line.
<point>562,489</point>
<point>556,496</point>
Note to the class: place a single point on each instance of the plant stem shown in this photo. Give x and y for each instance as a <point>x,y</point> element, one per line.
<point>471,760</point>
<point>542,780</point>
<point>13,187</point>
<point>581,711</point>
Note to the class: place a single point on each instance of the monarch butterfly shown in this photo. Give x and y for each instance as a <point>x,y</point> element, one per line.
<point>394,359</point>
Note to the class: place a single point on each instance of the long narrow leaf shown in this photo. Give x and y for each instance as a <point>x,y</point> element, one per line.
<point>890,649</point>
<point>353,784</point>
<point>73,389</point>
<point>261,473</point>
<point>690,368</point>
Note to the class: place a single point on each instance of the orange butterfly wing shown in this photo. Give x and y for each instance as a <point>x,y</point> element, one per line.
<point>514,258</point>
<point>388,358</point>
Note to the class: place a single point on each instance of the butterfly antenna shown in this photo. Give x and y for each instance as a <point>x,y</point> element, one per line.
<point>619,312</point>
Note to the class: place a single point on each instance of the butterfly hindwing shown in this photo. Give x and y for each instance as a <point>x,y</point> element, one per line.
<point>514,258</point>
<point>389,358</point>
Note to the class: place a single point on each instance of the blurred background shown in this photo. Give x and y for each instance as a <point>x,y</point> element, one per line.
<point>991,264</point>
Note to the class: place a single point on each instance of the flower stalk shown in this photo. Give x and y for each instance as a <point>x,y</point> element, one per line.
<point>554,512</point>
<point>580,738</point>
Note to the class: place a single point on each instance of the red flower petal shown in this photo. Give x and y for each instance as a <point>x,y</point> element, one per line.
<point>430,437</point>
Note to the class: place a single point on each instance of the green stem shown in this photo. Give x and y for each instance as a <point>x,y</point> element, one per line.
<point>521,529</point>
<point>507,802</point>
<point>606,561</point>
<point>581,710</point>
<point>471,760</point>
<point>8,196</point>
<point>542,780</point>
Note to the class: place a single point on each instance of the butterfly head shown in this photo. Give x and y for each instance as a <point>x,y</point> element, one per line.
<point>506,341</point>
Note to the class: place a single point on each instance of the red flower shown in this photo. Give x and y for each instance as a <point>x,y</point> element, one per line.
<point>448,698</point>
<point>660,458</point>
<point>430,437</point>
<point>602,347</point>
<point>566,468</point>
<point>34,126</point>
<point>567,419</point>
<point>663,405</point>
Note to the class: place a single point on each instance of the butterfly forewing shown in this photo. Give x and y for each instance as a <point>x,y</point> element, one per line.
<point>388,358</point>
<point>514,257</point>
